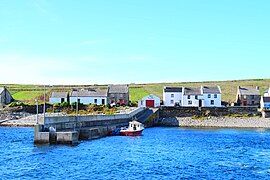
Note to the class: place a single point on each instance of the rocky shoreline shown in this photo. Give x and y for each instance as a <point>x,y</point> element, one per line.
<point>28,121</point>
<point>210,122</point>
<point>217,122</point>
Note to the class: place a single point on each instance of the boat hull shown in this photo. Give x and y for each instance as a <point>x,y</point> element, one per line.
<point>131,133</point>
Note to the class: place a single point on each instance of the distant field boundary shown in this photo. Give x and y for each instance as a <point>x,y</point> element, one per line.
<point>137,91</point>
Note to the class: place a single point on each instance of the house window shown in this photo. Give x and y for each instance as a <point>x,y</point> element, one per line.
<point>172,102</point>
<point>209,95</point>
<point>172,95</point>
<point>253,102</point>
<point>62,100</point>
<point>189,102</point>
<point>215,96</point>
<point>103,101</point>
<point>212,102</point>
<point>141,102</point>
<point>188,96</point>
<point>196,96</point>
<point>252,97</point>
<point>95,101</point>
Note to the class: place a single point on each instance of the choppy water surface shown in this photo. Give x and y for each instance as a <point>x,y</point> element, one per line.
<point>161,153</point>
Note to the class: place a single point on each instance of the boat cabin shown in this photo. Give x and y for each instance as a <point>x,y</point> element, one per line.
<point>135,125</point>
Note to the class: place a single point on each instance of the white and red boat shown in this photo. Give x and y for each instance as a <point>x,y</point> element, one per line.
<point>135,128</point>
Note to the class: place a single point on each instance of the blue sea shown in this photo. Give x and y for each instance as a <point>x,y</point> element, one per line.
<point>161,153</point>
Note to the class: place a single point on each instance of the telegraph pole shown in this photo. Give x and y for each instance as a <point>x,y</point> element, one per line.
<point>77,104</point>
<point>37,110</point>
<point>44,107</point>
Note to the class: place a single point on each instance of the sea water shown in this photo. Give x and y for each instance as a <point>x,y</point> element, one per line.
<point>161,153</point>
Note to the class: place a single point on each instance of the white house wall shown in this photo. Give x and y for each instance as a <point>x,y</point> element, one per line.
<point>142,103</point>
<point>88,100</point>
<point>195,102</point>
<point>177,98</point>
<point>207,101</point>
<point>56,100</point>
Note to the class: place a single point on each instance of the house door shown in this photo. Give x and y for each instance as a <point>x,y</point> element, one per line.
<point>200,103</point>
<point>150,103</point>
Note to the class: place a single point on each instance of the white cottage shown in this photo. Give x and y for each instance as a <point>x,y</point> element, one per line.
<point>172,96</point>
<point>211,96</point>
<point>203,96</point>
<point>93,96</point>
<point>149,101</point>
<point>59,97</point>
<point>192,97</point>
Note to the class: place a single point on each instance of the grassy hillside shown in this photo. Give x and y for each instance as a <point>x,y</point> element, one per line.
<point>28,93</point>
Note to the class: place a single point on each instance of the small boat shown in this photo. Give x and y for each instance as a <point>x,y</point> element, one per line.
<point>135,128</point>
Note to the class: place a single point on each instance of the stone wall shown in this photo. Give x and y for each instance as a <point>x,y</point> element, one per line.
<point>71,122</point>
<point>169,112</point>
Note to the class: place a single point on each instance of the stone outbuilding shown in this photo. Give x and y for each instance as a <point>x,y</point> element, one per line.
<point>118,94</point>
<point>5,96</point>
<point>248,96</point>
<point>150,101</point>
<point>59,97</point>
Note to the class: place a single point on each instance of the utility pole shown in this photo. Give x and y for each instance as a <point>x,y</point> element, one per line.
<point>37,110</point>
<point>44,107</point>
<point>77,107</point>
<point>77,104</point>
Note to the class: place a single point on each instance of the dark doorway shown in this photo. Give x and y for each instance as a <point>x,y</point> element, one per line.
<point>200,103</point>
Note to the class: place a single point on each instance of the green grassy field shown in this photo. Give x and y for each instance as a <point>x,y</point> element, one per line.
<point>28,93</point>
<point>28,96</point>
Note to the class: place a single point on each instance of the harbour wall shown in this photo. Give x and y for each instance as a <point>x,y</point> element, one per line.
<point>169,112</point>
<point>72,129</point>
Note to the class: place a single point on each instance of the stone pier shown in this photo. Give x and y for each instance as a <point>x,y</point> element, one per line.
<point>72,129</point>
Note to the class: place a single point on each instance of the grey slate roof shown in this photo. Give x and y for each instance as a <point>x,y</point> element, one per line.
<point>173,89</point>
<point>266,99</point>
<point>59,95</point>
<point>192,91</point>
<point>89,93</point>
<point>211,90</point>
<point>248,91</point>
<point>118,88</point>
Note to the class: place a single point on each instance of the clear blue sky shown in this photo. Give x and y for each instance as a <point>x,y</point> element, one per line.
<point>133,41</point>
